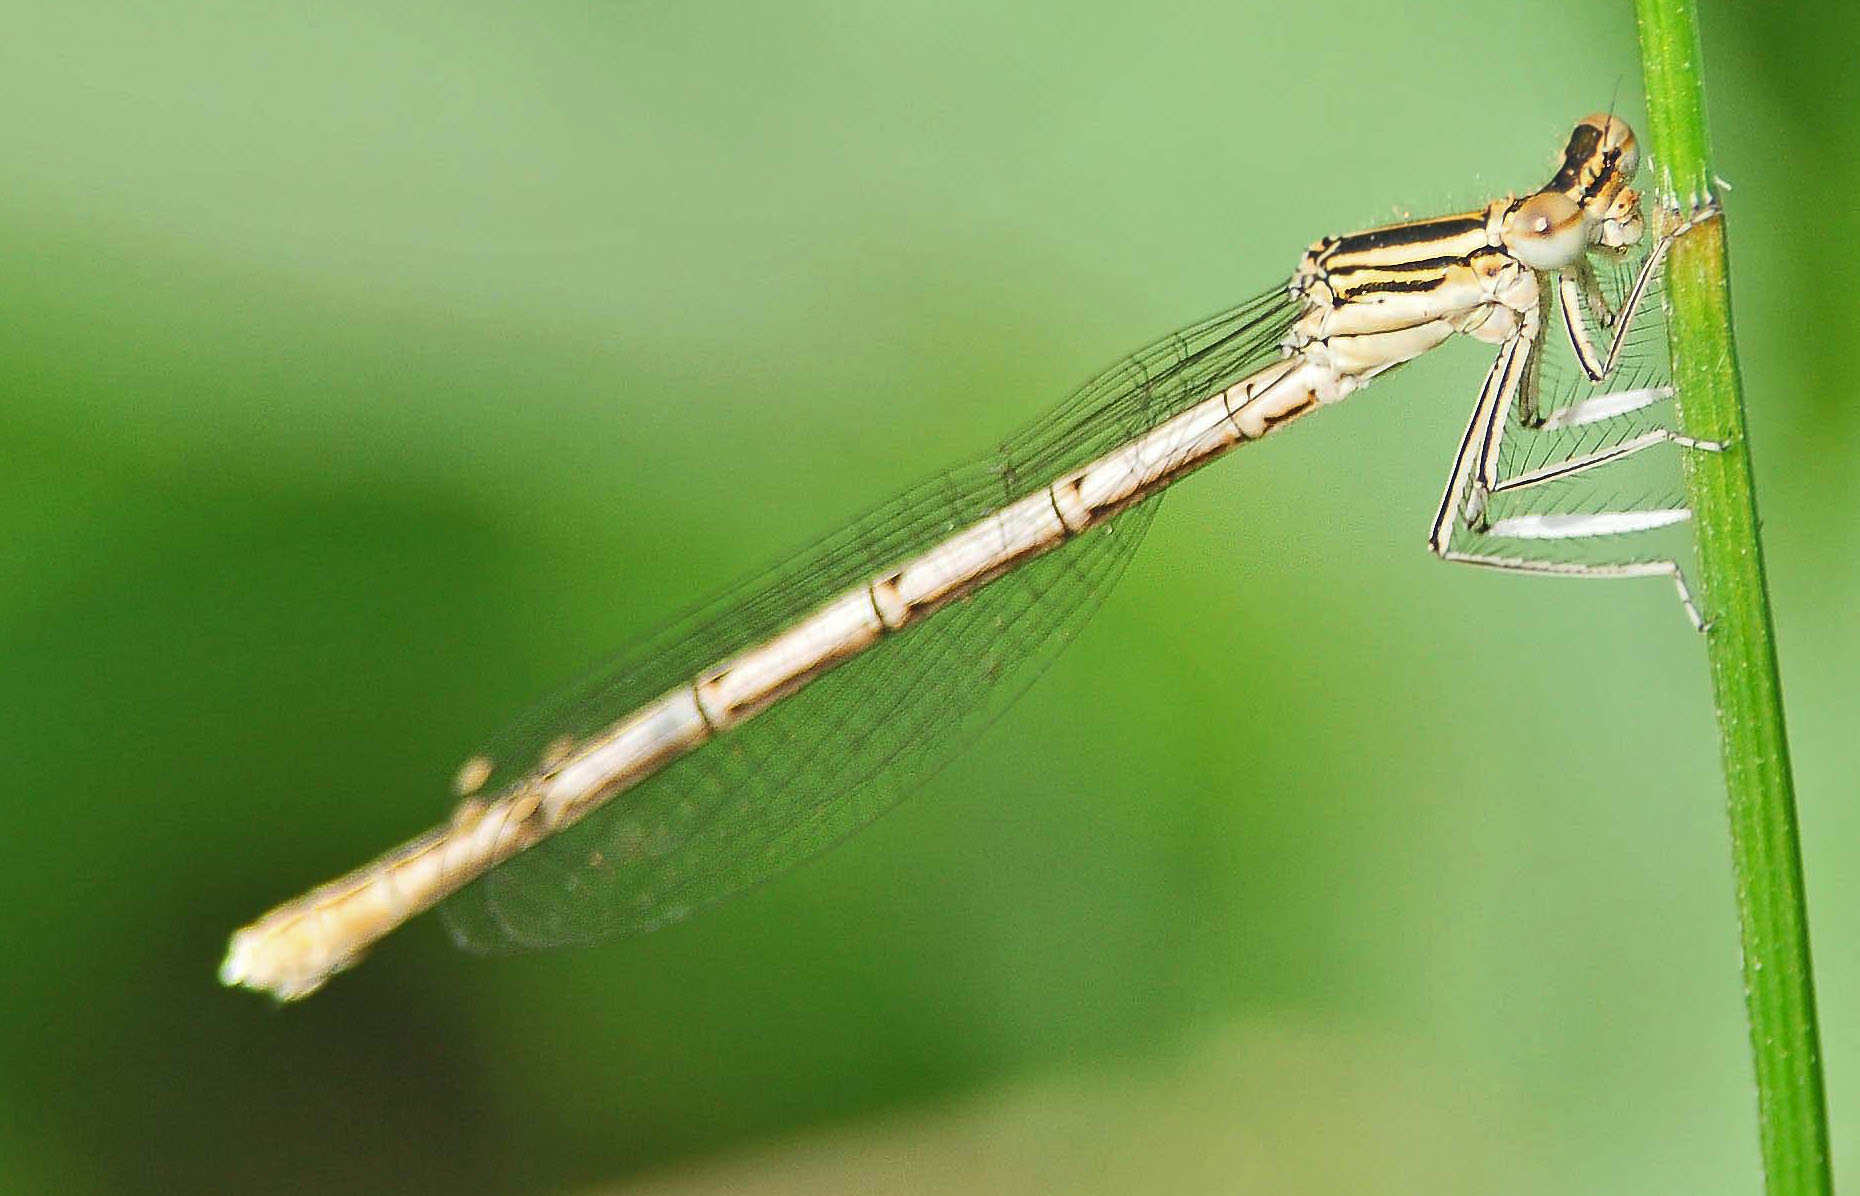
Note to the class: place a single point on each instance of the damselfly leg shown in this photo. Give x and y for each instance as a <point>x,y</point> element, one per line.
<point>1512,390</point>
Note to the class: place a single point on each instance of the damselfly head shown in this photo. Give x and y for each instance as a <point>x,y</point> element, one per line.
<point>1594,180</point>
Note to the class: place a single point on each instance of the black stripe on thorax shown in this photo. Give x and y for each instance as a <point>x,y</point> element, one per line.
<point>1386,286</point>
<point>1350,283</point>
<point>1406,265</point>
<point>1413,233</point>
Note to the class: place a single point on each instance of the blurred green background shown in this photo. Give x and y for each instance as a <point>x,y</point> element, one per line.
<point>371,368</point>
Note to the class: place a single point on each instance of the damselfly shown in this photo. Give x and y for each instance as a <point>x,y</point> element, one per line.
<point>795,709</point>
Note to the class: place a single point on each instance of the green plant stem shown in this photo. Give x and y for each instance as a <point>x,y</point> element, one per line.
<point>1779,992</point>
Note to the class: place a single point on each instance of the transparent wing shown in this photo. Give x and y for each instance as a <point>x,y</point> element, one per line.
<point>823,762</point>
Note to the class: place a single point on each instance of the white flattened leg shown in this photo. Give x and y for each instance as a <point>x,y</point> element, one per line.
<point>1572,466</point>
<point>1466,500</point>
<point>1612,405</point>
<point>1471,516</point>
<point>1565,527</point>
<point>1585,525</point>
<point>1595,409</point>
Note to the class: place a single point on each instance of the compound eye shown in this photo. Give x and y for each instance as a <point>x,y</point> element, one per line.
<point>1546,231</point>
<point>1628,165</point>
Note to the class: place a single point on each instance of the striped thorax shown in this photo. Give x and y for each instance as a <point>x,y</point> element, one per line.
<point>1375,299</point>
